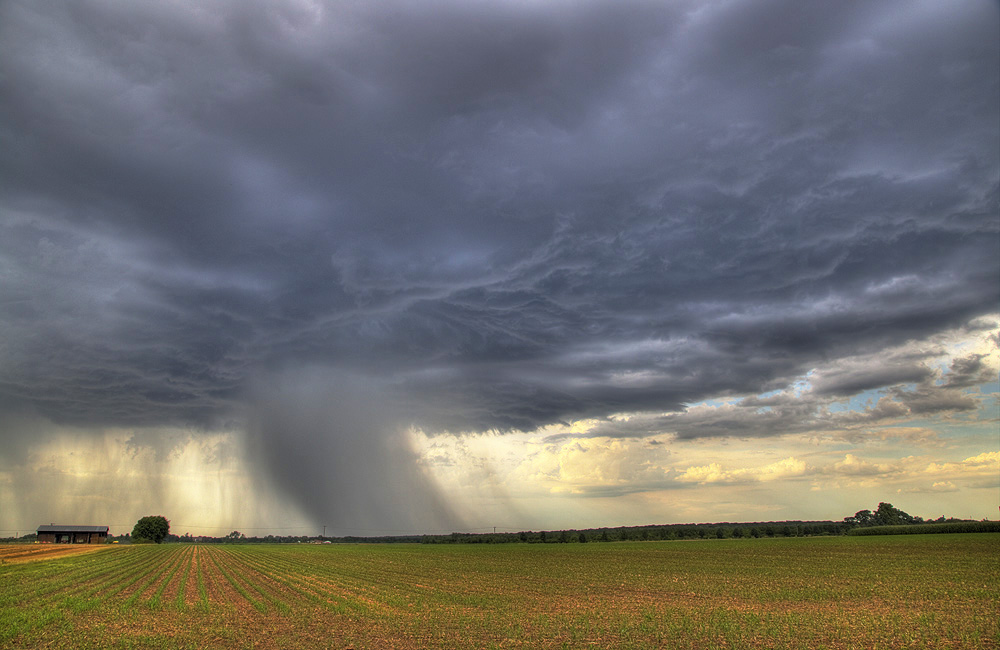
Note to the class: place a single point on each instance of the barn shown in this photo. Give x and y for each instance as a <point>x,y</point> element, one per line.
<point>53,534</point>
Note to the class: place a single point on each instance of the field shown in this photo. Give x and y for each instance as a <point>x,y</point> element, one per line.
<point>921,591</point>
<point>18,553</point>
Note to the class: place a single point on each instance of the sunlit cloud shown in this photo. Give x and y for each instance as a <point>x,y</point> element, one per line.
<point>715,473</point>
<point>202,482</point>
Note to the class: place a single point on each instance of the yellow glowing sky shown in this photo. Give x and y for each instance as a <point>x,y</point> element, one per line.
<point>560,476</point>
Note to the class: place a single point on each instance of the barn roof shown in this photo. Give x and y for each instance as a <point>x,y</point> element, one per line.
<point>53,528</point>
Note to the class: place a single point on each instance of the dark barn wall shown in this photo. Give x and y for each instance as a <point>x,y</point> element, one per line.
<point>72,537</point>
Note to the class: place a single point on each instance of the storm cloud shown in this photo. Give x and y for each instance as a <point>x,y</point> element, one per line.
<point>503,215</point>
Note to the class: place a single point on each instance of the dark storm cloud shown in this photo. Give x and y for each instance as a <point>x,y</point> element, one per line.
<point>333,445</point>
<point>508,214</point>
<point>906,389</point>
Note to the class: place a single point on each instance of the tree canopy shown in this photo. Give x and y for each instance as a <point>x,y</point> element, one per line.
<point>151,529</point>
<point>885,515</point>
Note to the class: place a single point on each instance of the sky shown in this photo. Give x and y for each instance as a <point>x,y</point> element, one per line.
<point>282,266</point>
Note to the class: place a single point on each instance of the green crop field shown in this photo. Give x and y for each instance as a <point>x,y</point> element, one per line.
<point>920,591</point>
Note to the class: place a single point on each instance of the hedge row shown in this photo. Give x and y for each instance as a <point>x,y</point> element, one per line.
<point>923,529</point>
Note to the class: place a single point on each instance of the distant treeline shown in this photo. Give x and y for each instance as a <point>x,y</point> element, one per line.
<point>617,534</point>
<point>649,533</point>
<point>885,520</point>
<point>665,532</point>
<point>922,529</point>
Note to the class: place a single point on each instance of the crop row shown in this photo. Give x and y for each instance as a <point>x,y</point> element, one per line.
<point>920,592</point>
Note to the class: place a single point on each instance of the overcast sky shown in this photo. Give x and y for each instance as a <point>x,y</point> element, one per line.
<point>407,266</point>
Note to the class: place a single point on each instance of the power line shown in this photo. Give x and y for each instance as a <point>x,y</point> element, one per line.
<point>173,525</point>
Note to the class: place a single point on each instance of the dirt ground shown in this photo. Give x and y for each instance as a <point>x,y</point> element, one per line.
<point>19,553</point>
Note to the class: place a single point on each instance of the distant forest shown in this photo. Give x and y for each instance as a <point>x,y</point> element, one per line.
<point>885,520</point>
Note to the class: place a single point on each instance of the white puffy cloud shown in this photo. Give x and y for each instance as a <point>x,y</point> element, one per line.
<point>714,473</point>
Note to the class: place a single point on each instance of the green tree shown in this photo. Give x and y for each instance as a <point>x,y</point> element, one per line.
<point>861,518</point>
<point>150,530</point>
<point>884,515</point>
<point>887,515</point>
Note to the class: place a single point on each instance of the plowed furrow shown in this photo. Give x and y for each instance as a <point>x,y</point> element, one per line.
<point>220,589</point>
<point>260,581</point>
<point>154,593</point>
<point>143,580</point>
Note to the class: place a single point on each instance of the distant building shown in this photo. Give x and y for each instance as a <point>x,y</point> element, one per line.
<point>53,534</point>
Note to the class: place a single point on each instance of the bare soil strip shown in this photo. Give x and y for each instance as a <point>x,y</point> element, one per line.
<point>166,573</point>
<point>133,566</point>
<point>192,591</point>
<point>220,591</point>
<point>175,592</point>
<point>260,582</point>
<point>155,593</point>
<point>278,578</point>
<point>141,576</point>
<point>20,553</point>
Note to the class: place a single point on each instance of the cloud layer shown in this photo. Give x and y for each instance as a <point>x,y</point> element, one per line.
<point>504,215</point>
